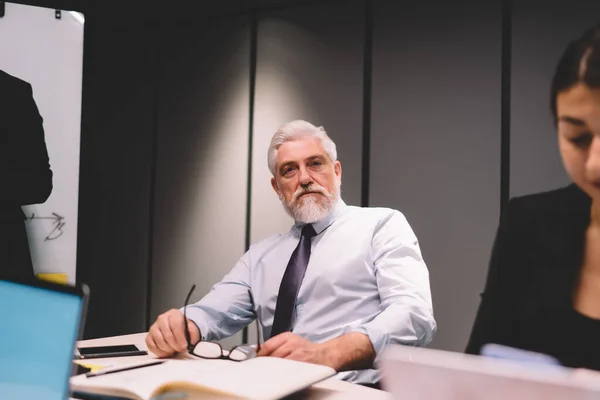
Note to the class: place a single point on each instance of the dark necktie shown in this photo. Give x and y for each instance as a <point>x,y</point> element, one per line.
<point>290,284</point>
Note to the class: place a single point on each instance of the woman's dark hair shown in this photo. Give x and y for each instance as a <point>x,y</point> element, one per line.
<point>579,63</point>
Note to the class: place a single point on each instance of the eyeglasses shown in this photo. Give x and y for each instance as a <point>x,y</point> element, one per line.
<point>214,351</point>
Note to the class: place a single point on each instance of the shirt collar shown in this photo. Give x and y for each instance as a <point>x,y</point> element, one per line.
<point>323,224</point>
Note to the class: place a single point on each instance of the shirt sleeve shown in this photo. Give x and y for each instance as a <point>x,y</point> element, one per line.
<point>227,308</point>
<point>406,315</point>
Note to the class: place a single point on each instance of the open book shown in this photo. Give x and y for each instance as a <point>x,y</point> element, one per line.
<point>262,378</point>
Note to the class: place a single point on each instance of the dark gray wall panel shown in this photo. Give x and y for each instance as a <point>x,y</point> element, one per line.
<point>541,32</point>
<point>435,152</point>
<point>115,170</point>
<point>309,66</point>
<point>202,158</point>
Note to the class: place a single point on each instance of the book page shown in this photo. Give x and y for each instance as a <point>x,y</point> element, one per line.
<point>142,382</point>
<point>262,378</point>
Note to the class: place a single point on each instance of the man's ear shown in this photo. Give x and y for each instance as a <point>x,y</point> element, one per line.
<point>275,187</point>
<point>337,168</point>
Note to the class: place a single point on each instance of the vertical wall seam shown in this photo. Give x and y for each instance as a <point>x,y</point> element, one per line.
<point>367,88</point>
<point>253,49</point>
<point>505,104</point>
<point>153,169</point>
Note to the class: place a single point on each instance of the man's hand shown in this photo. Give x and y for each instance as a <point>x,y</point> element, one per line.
<point>167,335</point>
<point>293,347</point>
<point>347,352</point>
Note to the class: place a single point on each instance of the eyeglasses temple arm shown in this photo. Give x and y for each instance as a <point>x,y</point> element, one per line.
<point>188,337</point>
<point>258,324</point>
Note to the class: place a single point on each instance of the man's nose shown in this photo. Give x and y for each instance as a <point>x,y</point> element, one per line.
<point>592,165</point>
<point>305,178</point>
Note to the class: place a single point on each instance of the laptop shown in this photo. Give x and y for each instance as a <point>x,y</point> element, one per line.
<point>40,323</point>
<point>420,373</point>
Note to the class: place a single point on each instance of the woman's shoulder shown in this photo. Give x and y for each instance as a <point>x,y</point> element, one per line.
<point>567,200</point>
<point>549,216</point>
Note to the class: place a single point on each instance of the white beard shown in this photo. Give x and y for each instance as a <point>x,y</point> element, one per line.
<point>311,208</point>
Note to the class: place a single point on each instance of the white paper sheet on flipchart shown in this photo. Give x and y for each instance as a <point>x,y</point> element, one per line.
<point>144,381</point>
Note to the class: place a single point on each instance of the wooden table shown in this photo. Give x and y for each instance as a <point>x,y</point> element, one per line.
<point>330,389</point>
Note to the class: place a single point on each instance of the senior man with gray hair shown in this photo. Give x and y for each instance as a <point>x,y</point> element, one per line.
<point>338,288</point>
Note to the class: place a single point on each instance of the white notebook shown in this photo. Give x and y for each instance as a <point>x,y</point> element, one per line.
<point>261,378</point>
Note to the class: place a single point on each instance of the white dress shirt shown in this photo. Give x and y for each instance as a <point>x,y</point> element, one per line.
<point>365,274</point>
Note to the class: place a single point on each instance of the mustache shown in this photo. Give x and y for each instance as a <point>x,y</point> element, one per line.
<point>310,189</point>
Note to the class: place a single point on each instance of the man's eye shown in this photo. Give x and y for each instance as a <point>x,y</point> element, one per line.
<point>316,163</point>
<point>582,141</point>
<point>287,171</point>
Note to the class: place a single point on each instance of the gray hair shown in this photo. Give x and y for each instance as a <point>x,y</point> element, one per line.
<point>295,130</point>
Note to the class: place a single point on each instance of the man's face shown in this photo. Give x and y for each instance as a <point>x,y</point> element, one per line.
<point>306,180</point>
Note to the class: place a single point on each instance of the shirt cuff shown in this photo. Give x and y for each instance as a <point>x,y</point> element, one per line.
<point>195,316</point>
<point>379,339</point>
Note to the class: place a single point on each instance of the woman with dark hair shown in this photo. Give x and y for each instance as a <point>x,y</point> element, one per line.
<point>543,286</point>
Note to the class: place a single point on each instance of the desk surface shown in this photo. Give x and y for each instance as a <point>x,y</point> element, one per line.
<point>330,389</point>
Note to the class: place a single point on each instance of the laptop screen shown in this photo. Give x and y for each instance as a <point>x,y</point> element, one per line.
<point>38,330</point>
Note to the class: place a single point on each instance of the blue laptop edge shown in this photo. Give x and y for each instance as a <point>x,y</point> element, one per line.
<point>38,332</point>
